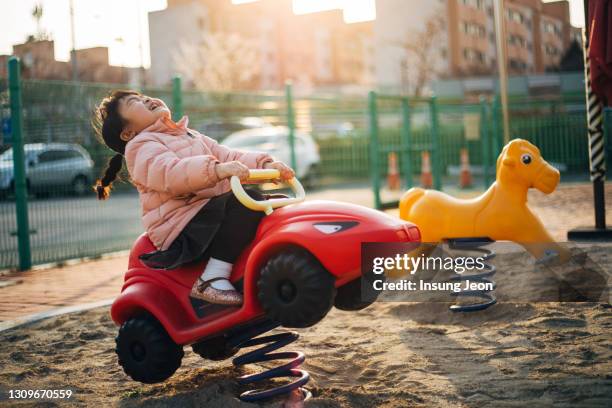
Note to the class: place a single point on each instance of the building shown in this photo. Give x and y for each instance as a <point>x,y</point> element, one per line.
<point>313,50</point>
<point>398,27</point>
<point>38,62</point>
<point>405,47</point>
<point>537,35</point>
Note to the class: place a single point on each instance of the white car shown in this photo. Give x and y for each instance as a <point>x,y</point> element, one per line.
<point>64,167</point>
<point>274,140</point>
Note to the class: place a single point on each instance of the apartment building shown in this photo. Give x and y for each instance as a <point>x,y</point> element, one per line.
<point>317,49</point>
<point>537,35</point>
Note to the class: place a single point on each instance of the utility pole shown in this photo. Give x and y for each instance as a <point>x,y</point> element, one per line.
<point>597,148</point>
<point>73,57</point>
<point>500,36</point>
<point>404,76</point>
<point>141,70</point>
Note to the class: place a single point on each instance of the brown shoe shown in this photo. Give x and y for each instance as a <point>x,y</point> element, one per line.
<point>204,291</point>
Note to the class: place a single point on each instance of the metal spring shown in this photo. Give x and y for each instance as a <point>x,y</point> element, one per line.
<point>475,245</point>
<point>273,342</point>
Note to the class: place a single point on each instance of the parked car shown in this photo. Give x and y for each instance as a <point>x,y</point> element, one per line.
<point>219,130</point>
<point>274,140</point>
<point>331,130</point>
<point>50,167</point>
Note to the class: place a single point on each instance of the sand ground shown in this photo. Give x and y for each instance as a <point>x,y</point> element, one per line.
<point>388,355</point>
<point>392,354</point>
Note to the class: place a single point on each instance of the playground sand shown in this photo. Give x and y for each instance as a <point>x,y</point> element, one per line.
<point>392,354</point>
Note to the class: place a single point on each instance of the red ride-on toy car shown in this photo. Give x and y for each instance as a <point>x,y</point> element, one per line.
<point>304,259</point>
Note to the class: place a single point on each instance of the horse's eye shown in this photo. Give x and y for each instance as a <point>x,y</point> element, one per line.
<point>526,159</point>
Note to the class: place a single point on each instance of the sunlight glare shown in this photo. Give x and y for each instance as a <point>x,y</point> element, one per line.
<point>354,10</point>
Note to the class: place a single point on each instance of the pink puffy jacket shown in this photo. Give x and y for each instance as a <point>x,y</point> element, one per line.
<point>175,175</point>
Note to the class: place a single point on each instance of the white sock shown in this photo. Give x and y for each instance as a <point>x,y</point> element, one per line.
<point>216,268</point>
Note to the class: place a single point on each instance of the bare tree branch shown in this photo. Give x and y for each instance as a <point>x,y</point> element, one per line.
<point>221,62</point>
<point>422,50</point>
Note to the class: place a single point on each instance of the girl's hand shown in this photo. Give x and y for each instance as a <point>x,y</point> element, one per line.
<point>286,172</point>
<point>232,168</point>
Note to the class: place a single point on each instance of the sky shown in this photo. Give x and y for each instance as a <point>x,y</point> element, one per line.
<point>122,25</point>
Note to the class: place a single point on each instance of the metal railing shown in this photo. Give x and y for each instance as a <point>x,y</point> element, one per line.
<point>353,134</point>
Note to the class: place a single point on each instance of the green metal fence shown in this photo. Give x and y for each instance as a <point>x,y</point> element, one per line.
<point>64,223</point>
<point>408,127</point>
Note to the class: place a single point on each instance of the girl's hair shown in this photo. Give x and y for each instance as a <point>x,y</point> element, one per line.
<point>108,125</point>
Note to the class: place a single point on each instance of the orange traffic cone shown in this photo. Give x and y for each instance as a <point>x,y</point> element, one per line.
<point>426,176</point>
<point>465,177</point>
<point>393,177</point>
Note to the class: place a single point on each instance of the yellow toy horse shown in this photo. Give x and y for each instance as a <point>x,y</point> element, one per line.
<point>501,213</point>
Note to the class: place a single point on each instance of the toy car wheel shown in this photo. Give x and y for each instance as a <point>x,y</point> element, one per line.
<point>215,349</point>
<point>295,290</point>
<point>145,350</point>
<point>350,296</point>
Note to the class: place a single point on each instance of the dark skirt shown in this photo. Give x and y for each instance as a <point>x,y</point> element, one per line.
<point>191,244</point>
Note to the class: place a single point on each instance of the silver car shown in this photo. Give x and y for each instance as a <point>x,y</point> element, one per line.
<point>50,167</point>
<point>274,140</point>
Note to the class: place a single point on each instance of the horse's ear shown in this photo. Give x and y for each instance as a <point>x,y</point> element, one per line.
<point>509,161</point>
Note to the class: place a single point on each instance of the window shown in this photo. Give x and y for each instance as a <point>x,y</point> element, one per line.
<point>73,154</point>
<point>515,15</point>
<point>479,4</point>
<point>30,154</point>
<point>51,156</point>
<point>474,29</point>
<point>550,27</point>
<point>7,156</point>
<point>551,50</point>
<point>517,40</point>
<point>472,55</point>
<point>517,64</point>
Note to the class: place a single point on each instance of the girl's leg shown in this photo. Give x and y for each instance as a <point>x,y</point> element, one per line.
<point>235,232</point>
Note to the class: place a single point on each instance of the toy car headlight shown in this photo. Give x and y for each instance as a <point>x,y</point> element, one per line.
<point>409,232</point>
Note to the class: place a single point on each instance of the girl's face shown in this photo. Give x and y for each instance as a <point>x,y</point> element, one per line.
<point>140,112</point>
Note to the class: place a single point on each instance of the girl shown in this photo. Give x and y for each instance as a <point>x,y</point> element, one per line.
<point>182,177</point>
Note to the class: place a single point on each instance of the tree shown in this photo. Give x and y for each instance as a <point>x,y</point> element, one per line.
<point>423,54</point>
<point>572,60</point>
<point>221,62</point>
<point>37,13</point>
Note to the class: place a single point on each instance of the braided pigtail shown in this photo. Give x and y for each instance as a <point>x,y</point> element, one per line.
<point>104,185</point>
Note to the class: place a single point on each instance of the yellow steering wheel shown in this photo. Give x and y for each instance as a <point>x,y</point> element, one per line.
<point>266,206</point>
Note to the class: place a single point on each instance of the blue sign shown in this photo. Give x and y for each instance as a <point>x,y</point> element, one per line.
<point>6,130</point>
<point>6,126</point>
